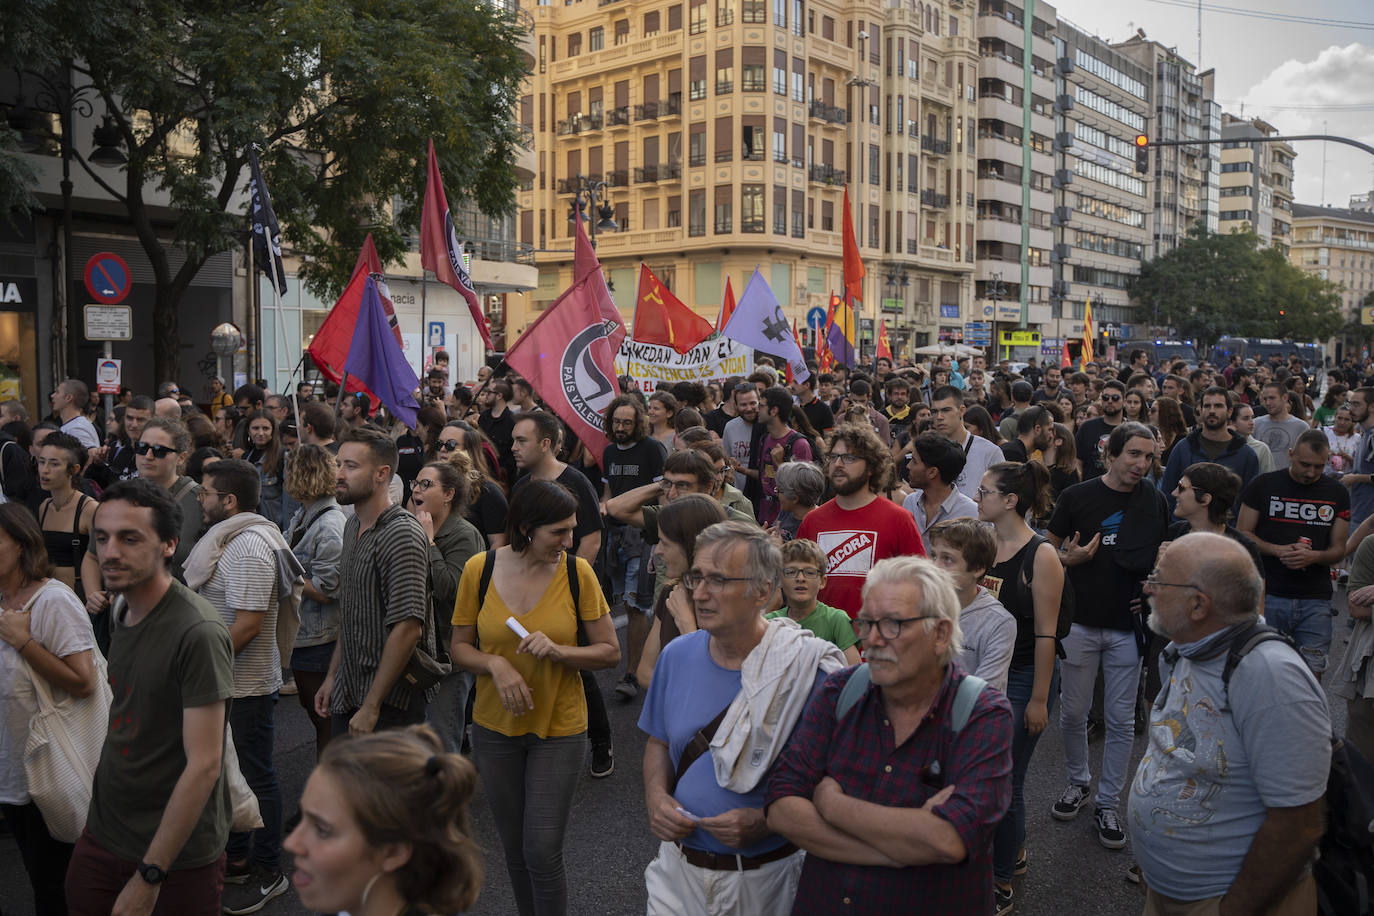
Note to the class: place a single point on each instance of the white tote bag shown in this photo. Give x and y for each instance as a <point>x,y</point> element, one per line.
<point>65,738</point>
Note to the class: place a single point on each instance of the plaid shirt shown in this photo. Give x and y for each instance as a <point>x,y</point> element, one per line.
<point>860,754</point>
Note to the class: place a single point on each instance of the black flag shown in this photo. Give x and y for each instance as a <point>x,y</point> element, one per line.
<point>266,231</point>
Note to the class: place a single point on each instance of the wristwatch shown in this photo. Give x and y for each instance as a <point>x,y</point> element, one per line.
<point>153,874</point>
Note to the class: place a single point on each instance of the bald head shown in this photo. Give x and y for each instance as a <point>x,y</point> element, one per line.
<point>1221,572</point>
<point>167,407</point>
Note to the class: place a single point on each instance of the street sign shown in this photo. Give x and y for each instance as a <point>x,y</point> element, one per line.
<point>978,325</point>
<point>1020,338</point>
<point>815,319</point>
<point>107,376</point>
<point>107,277</point>
<point>436,334</point>
<point>109,322</point>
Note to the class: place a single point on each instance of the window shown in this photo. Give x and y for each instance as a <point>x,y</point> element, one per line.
<point>798,16</point>
<point>798,214</point>
<point>755,11</point>
<point>780,13</point>
<point>724,212</point>
<point>827,216</point>
<point>596,39</point>
<point>779,210</point>
<point>798,80</point>
<point>780,72</point>
<point>1109,108</point>
<point>780,140</point>
<point>696,212</point>
<point>696,76</point>
<point>675,24</point>
<point>725,71</point>
<point>622,31</point>
<point>574,44</point>
<point>753,69</point>
<point>751,208</point>
<point>696,145</point>
<point>651,23</point>
<point>725,13</point>
<point>696,13</point>
<point>873,164</point>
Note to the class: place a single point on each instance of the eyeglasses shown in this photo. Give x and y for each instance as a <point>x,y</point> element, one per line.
<point>1154,582</point>
<point>694,580</point>
<point>424,484</point>
<point>809,573</point>
<point>844,458</point>
<point>205,493</point>
<point>1111,397</point>
<point>159,451</point>
<point>628,424</point>
<point>889,627</point>
<point>448,445</point>
<point>984,491</point>
<point>679,486</point>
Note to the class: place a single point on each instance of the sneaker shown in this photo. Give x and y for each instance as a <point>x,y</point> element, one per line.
<point>255,894</point>
<point>237,872</point>
<point>1001,897</point>
<point>1133,873</point>
<point>1074,798</point>
<point>628,688</point>
<point>603,762</point>
<point>1022,866</point>
<point>1109,832</point>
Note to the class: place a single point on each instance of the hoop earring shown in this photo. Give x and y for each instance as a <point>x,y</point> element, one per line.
<point>367,889</point>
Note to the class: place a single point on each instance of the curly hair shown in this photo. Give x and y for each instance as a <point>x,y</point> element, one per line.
<point>311,473</point>
<point>641,416</point>
<point>864,442</point>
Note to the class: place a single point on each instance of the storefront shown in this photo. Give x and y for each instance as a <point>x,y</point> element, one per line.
<point>22,328</point>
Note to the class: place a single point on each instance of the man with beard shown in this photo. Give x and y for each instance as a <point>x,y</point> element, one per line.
<point>1211,441</point>
<point>383,596</point>
<point>1360,480</point>
<point>1092,435</point>
<point>633,459</point>
<point>738,437</point>
<point>234,568</point>
<point>1034,432</point>
<point>858,527</point>
<point>160,812</point>
<point>1279,429</point>
<point>1299,519</point>
<point>898,408</point>
<point>1108,531</point>
<point>1050,390</point>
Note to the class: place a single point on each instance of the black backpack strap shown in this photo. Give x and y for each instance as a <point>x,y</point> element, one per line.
<point>488,566</point>
<point>575,587</point>
<point>700,744</point>
<point>1245,640</point>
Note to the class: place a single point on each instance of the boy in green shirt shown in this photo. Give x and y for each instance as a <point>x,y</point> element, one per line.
<point>803,576</point>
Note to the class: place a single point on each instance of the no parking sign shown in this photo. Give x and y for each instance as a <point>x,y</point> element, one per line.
<point>107,277</point>
<point>107,376</point>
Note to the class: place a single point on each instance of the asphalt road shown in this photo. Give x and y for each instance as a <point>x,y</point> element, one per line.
<point>609,841</point>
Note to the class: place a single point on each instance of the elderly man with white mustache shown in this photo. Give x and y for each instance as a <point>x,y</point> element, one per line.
<point>903,763</point>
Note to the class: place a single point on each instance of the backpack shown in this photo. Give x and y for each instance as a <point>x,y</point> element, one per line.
<point>791,440</point>
<point>574,586</point>
<point>1344,870</point>
<point>1067,599</point>
<point>965,696</point>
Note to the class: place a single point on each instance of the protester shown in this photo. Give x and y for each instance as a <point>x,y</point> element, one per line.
<point>1228,801</point>
<point>862,796</point>
<point>780,444</point>
<point>1211,441</point>
<point>803,577</point>
<point>159,816</point>
<point>316,537</point>
<point>67,400</point>
<point>966,549</point>
<point>947,411</point>
<point>1279,429</point>
<point>66,516</point>
<point>385,828</point>
<point>530,713</point>
<point>801,487</point>
<point>486,507</point>
<point>46,634</point>
<point>936,462</point>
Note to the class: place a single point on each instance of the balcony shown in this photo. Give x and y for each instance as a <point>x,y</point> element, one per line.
<point>830,113</point>
<point>935,146</point>
<point>526,137</point>
<point>931,199</point>
<point>664,108</point>
<point>725,155</point>
<point>579,125</point>
<point>618,117</point>
<point>618,179</point>
<point>825,174</point>
<point>573,185</point>
<point>663,171</point>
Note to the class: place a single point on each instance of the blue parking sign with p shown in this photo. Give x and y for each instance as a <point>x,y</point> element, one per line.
<point>436,333</point>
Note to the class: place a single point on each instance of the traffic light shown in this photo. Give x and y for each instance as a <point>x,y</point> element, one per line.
<point>1142,154</point>
<point>1282,312</point>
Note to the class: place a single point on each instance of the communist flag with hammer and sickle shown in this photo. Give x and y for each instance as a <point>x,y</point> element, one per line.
<point>661,318</point>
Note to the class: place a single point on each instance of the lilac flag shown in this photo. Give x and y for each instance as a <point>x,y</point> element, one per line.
<point>376,360</point>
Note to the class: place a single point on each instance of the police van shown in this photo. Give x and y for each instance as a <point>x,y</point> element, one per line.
<point>1260,349</point>
<point>1161,352</point>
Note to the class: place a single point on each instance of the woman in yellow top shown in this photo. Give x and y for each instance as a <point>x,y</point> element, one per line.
<point>219,398</point>
<point>530,715</point>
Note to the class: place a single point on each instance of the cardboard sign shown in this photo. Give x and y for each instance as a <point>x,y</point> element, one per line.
<point>713,360</point>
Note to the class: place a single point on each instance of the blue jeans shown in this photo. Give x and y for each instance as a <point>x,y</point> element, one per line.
<point>1116,652</point>
<point>252,721</point>
<point>448,712</point>
<point>529,783</point>
<point>1011,832</point>
<point>1307,621</point>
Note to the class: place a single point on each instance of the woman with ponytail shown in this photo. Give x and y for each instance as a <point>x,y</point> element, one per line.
<point>1009,490</point>
<point>384,828</point>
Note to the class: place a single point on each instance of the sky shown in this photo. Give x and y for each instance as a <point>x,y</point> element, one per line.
<point>1304,78</point>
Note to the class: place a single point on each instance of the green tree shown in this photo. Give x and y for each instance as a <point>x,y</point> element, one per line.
<point>1214,285</point>
<point>341,96</point>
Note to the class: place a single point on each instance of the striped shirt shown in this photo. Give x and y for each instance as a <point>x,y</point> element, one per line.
<point>245,579</point>
<point>384,579</point>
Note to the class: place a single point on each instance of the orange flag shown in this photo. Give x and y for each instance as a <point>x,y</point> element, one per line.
<point>853,264</point>
<point>727,306</point>
<point>661,318</point>
<point>1065,360</point>
<point>884,346</point>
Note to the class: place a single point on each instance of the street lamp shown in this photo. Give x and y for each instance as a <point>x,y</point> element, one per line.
<point>897,283</point>
<point>586,193</point>
<point>995,292</point>
<point>60,96</point>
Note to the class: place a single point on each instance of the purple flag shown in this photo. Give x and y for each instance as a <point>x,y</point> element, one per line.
<point>376,360</point>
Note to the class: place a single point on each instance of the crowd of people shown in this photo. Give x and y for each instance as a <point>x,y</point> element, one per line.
<point>851,606</point>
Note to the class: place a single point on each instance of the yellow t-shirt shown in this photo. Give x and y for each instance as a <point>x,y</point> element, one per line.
<point>560,707</point>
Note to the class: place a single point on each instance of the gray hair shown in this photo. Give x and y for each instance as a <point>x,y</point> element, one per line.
<point>1224,572</point>
<point>939,601</point>
<point>802,481</point>
<point>764,561</point>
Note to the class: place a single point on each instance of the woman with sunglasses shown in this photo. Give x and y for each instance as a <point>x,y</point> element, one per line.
<point>158,454</point>
<point>486,504</point>
<point>437,499</point>
<point>418,447</point>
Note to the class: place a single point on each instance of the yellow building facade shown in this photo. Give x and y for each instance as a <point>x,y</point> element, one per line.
<point>722,134</point>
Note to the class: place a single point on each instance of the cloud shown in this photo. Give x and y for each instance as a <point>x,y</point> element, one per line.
<point>1332,94</point>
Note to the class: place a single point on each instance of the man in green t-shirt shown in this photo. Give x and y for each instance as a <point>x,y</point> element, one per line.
<point>160,812</point>
<point>803,577</point>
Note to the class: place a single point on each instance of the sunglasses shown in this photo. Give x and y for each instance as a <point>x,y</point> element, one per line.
<point>448,445</point>
<point>159,451</point>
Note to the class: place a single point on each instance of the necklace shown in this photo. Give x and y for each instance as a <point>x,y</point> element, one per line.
<point>71,496</point>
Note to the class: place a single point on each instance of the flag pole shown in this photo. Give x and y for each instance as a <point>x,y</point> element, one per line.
<point>424,326</point>
<point>286,346</point>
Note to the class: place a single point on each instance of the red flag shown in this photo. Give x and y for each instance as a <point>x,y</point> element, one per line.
<point>367,258</point>
<point>439,248</point>
<point>823,351</point>
<point>661,318</point>
<point>727,306</point>
<point>369,263</point>
<point>853,264</point>
<point>884,346</point>
<point>585,264</point>
<point>569,362</point>
<point>1065,360</point>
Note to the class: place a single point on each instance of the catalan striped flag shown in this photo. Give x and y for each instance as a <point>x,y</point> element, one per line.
<point>1086,356</point>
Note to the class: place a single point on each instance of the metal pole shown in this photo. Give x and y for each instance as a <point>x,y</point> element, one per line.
<point>69,304</point>
<point>252,290</point>
<point>1027,52</point>
<point>108,398</point>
